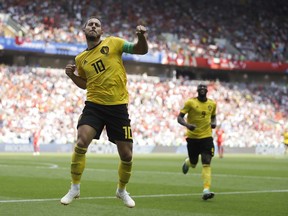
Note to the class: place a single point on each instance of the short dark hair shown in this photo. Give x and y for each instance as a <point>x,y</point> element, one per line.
<point>91,17</point>
<point>201,86</point>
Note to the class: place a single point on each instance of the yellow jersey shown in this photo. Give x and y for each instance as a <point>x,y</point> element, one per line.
<point>104,71</point>
<point>199,113</point>
<point>285,135</point>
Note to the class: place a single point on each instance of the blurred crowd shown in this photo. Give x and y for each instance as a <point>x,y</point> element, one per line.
<point>33,99</point>
<point>232,29</point>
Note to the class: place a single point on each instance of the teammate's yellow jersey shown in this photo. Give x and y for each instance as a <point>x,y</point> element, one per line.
<point>199,113</point>
<point>104,71</point>
<point>285,135</point>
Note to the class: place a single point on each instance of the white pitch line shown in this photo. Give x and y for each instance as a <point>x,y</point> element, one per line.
<point>148,196</point>
<point>49,165</point>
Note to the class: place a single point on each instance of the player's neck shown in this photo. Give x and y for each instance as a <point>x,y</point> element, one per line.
<point>202,99</point>
<point>92,44</point>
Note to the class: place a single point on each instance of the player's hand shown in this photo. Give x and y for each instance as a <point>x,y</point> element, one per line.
<point>140,29</point>
<point>70,69</point>
<point>191,126</point>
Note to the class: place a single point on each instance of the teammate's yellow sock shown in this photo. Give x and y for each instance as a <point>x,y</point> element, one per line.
<point>78,164</point>
<point>206,176</point>
<point>124,172</point>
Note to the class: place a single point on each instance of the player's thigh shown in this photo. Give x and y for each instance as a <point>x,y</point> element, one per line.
<point>207,150</point>
<point>118,124</point>
<point>85,135</point>
<point>193,148</point>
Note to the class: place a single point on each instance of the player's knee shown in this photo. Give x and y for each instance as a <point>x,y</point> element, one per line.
<point>125,150</point>
<point>82,144</point>
<point>83,141</point>
<point>126,156</point>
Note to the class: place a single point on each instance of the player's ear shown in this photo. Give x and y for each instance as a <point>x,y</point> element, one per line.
<point>84,26</point>
<point>101,31</point>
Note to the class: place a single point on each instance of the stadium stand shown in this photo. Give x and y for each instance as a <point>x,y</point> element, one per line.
<point>240,30</point>
<point>41,97</point>
<point>251,113</point>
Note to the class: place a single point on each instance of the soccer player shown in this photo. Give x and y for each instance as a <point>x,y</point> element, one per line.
<point>100,70</point>
<point>220,134</point>
<point>285,140</point>
<point>34,139</point>
<point>201,118</point>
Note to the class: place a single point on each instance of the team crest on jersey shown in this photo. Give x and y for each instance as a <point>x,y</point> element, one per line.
<point>104,50</point>
<point>209,108</point>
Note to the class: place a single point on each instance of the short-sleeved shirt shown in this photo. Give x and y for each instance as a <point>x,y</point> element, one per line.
<point>199,113</point>
<point>104,71</point>
<point>285,135</point>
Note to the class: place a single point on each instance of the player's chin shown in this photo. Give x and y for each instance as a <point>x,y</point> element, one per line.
<point>91,36</point>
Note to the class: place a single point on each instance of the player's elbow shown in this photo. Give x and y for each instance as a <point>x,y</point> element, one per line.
<point>179,119</point>
<point>142,51</point>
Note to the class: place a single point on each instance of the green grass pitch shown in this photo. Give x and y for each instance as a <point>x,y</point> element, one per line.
<point>244,185</point>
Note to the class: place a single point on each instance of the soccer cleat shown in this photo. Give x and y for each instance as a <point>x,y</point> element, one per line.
<point>185,168</point>
<point>124,196</point>
<point>207,194</point>
<point>68,198</point>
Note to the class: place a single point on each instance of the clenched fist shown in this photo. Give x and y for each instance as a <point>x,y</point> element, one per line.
<point>70,69</point>
<point>140,29</point>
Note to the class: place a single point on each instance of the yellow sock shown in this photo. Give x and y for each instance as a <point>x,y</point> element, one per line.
<point>78,164</point>
<point>124,172</point>
<point>206,176</point>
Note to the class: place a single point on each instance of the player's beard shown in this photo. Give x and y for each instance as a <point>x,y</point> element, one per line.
<point>91,38</point>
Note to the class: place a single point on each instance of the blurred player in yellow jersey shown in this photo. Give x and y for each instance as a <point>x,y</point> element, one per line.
<point>201,118</point>
<point>285,140</point>
<point>100,70</point>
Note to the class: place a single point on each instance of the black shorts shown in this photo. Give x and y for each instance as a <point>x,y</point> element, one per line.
<point>114,117</point>
<point>197,147</point>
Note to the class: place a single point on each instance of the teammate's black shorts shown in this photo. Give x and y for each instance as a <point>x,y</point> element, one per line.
<point>114,117</point>
<point>197,147</point>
